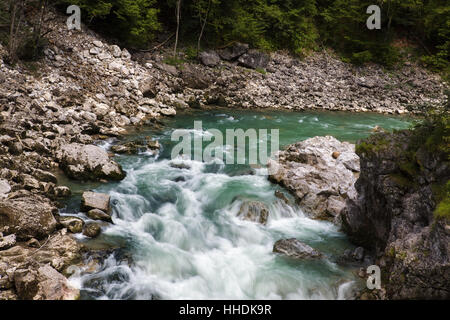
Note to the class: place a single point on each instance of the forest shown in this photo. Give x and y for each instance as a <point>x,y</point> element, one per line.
<point>417,28</point>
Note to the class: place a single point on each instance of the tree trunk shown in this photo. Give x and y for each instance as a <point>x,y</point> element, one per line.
<point>178,10</point>
<point>203,27</point>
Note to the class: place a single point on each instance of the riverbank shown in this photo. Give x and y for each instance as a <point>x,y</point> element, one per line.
<point>84,89</point>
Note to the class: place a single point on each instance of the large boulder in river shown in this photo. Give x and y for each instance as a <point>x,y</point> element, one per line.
<point>254,211</point>
<point>29,216</point>
<point>88,162</point>
<point>254,59</point>
<point>295,249</point>
<point>320,173</point>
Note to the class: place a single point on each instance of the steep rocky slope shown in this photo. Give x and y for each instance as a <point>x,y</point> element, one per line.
<point>400,184</point>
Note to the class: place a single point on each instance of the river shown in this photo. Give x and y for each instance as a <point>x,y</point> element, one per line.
<point>179,227</point>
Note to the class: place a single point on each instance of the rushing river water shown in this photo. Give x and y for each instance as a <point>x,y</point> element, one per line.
<point>179,225</point>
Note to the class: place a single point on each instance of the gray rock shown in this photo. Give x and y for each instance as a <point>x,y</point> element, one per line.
<point>295,249</point>
<point>234,52</point>
<point>254,59</point>
<point>209,58</point>
<point>320,183</point>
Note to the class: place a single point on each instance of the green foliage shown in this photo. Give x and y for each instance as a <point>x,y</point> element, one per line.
<point>443,207</point>
<point>134,22</point>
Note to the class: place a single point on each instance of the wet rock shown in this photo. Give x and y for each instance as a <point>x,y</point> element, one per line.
<point>254,211</point>
<point>320,183</point>
<point>7,242</point>
<point>73,224</point>
<point>254,59</point>
<point>27,216</point>
<point>92,230</point>
<point>97,214</point>
<point>295,249</point>
<point>43,283</point>
<point>62,192</point>
<point>280,195</point>
<point>88,162</point>
<point>45,176</point>
<point>93,200</point>
<point>209,58</point>
<point>153,144</point>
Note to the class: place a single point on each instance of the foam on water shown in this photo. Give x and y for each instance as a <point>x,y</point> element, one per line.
<point>177,219</point>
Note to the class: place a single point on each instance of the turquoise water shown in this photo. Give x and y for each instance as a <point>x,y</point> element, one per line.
<point>180,224</point>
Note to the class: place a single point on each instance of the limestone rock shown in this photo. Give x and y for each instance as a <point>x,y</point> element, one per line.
<point>88,162</point>
<point>295,249</point>
<point>93,200</point>
<point>29,216</point>
<point>320,182</point>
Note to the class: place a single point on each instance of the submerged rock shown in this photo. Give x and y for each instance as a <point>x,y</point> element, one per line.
<point>320,182</point>
<point>295,249</point>
<point>254,211</point>
<point>88,162</point>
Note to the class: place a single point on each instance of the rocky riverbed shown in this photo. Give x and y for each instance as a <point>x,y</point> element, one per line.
<point>86,89</point>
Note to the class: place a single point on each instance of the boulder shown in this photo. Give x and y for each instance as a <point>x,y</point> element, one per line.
<point>7,241</point>
<point>29,216</point>
<point>62,192</point>
<point>97,214</point>
<point>5,188</point>
<point>254,59</point>
<point>93,200</point>
<point>320,180</point>
<point>295,249</point>
<point>88,162</point>
<point>73,224</point>
<point>92,230</point>
<point>254,211</point>
<point>194,77</point>
<point>43,283</point>
<point>209,58</point>
<point>233,52</point>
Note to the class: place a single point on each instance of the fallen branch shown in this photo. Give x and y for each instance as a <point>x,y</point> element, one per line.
<point>159,45</point>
